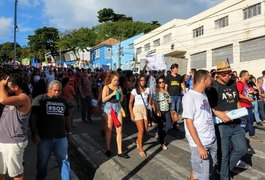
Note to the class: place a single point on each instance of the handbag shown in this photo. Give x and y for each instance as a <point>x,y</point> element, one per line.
<point>174,116</point>
<point>148,112</point>
<point>114,118</point>
<point>123,114</point>
<point>66,171</point>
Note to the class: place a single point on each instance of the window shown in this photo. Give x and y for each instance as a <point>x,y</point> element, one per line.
<point>220,23</point>
<point>167,38</point>
<point>252,49</point>
<point>97,53</point>
<point>252,11</point>
<point>198,32</point>
<point>108,53</point>
<point>147,47</point>
<point>222,53</point>
<point>198,60</point>
<point>156,42</point>
<point>139,50</point>
<point>131,46</point>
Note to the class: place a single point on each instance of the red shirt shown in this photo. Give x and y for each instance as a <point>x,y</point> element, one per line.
<point>243,89</point>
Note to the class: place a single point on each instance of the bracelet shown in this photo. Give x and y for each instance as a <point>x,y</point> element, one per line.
<point>69,133</point>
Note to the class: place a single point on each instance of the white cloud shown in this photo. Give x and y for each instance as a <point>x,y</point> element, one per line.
<point>29,3</point>
<point>6,28</point>
<point>69,14</point>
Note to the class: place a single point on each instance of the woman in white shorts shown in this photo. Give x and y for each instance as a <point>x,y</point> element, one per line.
<point>139,101</point>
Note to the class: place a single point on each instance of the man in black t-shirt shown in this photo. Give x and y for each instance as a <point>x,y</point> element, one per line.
<point>49,125</point>
<point>174,86</point>
<point>223,96</point>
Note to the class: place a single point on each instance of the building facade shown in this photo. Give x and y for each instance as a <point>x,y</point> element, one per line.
<point>232,30</point>
<point>101,55</point>
<point>123,54</point>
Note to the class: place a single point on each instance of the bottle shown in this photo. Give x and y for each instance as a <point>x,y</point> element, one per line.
<point>117,95</point>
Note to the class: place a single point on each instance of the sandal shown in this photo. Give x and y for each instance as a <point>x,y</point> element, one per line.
<point>142,154</point>
<point>137,145</point>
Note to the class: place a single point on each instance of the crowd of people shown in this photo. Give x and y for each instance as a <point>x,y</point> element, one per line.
<point>46,99</point>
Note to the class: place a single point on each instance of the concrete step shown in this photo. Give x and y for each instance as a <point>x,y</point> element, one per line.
<point>171,164</point>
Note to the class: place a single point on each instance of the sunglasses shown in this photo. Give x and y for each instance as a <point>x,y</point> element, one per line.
<point>142,79</point>
<point>228,73</point>
<point>160,82</point>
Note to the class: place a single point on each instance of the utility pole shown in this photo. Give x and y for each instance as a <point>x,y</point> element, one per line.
<point>15,32</point>
<point>119,53</point>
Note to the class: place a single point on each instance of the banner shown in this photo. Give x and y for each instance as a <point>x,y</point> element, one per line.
<point>156,62</point>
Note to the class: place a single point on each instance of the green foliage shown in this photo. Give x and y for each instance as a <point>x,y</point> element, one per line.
<point>43,40</point>
<point>122,30</point>
<point>7,51</point>
<point>108,15</point>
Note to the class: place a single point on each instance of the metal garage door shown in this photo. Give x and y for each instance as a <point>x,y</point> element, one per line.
<point>252,49</point>
<point>221,54</point>
<point>198,60</point>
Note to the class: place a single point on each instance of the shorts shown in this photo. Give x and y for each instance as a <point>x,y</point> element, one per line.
<point>203,168</point>
<point>11,158</point>
<point>115,106</point>
<point>139,112</point>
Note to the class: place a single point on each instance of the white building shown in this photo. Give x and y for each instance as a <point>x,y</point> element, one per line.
<point>233,30</point>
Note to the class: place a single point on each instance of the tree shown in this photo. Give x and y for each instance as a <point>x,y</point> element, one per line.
<point>108,15</point>
<point>7,51</point>
<point>77,39</point>
<point>44,40</point>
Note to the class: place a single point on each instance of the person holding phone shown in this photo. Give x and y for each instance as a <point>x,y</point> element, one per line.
<point>112,96</point>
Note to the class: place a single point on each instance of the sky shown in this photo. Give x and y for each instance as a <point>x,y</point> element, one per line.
<point>73,14</point>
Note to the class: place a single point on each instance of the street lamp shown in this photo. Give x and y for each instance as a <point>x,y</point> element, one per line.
<point>15,31</point>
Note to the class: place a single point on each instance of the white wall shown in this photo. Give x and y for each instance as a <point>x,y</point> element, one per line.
<point>237,31</point>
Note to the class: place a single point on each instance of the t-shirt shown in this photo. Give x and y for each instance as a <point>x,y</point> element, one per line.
<point>50,114</point>
<point>162,100</point>
<point>174,85</point>
<point>243,89</point>
<point>138,99</point>
<point>196,107</point>
<point>223,97</point>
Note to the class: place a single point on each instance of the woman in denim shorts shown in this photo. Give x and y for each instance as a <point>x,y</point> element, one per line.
<point>110,99</point>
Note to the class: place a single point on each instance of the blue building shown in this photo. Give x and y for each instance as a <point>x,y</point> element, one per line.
<point>101,54</point>
<point>123,53</point>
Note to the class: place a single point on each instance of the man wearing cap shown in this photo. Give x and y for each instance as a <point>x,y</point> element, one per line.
<point>223,96</point>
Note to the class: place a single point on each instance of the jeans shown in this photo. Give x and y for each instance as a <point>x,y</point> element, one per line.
<point>176,104</point>
<point>255,110</point>
<point>85,108</point>
<point>58,146</point>
<point>162,123</point>
<point>231,134</point>
<point>203,168</point>
<point>261,109</point>
<point>249,125</point>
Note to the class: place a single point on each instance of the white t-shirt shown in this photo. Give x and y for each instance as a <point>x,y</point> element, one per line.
<point>138,99</point>
<point>196,107</point>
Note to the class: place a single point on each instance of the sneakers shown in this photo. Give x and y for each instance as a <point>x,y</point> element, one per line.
<point>108,153</point>
<point>260,123</point>
<point>242,165</point>
<point>164,147</point>
<point>123,155</point>
<point>251,151</point>
<point>255,138</point>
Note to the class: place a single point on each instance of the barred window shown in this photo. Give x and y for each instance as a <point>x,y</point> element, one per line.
<point>220,23</point>
<point>198,32</point>
<point>252,11</point>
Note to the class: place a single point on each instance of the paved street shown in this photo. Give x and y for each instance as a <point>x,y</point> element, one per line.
<point>88,160</point>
